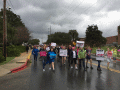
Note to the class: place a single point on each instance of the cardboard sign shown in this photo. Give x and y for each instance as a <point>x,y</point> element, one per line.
<point>80,43</point>
<point>100,55</point>
<point>43,53</point>
<point>47,48</point>
<point>53,44</point>
<point>52,56</point>
<point>63,52</point>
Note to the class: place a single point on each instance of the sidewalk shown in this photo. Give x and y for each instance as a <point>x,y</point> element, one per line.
<point>15,63</point>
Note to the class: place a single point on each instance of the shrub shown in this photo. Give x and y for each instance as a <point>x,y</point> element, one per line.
<point>12,51</point>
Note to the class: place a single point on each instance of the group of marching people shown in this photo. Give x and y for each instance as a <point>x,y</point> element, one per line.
<point>75,54</point>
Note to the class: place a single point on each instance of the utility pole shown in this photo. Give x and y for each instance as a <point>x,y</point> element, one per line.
<point>50,33</point>
<point>4,29</point>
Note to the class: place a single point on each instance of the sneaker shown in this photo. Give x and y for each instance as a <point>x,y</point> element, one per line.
<point>91,67</point>
<point>54,69</point>
<point>43,69</point>
<point>71,66</point>
<point>76,68</point>
<point>49,68</point>
<point>64,63</point>
<point>85,69</point>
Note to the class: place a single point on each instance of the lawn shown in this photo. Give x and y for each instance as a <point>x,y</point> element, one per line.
<point>104,48</point>
<point>7,60</point>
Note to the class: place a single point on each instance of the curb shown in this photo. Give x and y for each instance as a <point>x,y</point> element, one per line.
<point>21,67</point>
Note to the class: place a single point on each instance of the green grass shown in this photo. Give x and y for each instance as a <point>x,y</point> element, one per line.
<point>7,60</point>
<point>104,48</point>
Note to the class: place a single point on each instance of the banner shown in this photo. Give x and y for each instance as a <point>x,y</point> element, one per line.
<point>80,43</point>
<point>53,44</point>
<point>43,53</point>
<point>63,52</point>
<point>100,55</point>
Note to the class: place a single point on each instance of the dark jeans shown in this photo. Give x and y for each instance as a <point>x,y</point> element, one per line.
<point>35,57</point>
<point>83,62</point>
<point>99,63</point>
<point>73,60</point>
<point>69,59</point>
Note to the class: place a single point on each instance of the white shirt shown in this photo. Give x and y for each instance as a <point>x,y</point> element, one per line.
<point>74,54</point>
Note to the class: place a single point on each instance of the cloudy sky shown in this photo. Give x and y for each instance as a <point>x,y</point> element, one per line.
<point>63,15</point>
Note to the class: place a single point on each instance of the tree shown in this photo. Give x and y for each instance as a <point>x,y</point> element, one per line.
<point>74,34</point>
<point>17,33</point>
<point>34,41</point>
<point>94,36</point>
<point>59,38</point>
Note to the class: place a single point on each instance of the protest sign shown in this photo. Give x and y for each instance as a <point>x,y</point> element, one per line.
<point>63,52</point>
<point>42,53</point>
<point>100,55</point>
<point>80,43</point>
<point>47,48</point>
<point>53,44</point>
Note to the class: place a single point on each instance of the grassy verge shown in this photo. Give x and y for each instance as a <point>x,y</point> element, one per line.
<point>104,48</point>
<point>7,60</point>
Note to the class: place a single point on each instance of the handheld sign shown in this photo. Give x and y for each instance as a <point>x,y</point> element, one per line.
<point>100,55</point>
<point>52,56</point>
<point>80,43</point>
<point>63,52</point>
<point>47,48</point>
<point>43,53</point>
<point>53,44</point>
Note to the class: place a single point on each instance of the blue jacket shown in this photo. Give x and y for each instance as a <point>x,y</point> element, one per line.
<point>35,52</point>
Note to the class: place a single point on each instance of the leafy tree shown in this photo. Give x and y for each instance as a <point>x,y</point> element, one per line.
<point>94,36</point>
<point>59,38</point>
<point>74,34</point>
<point>34,41</point>
<point>17,33</point>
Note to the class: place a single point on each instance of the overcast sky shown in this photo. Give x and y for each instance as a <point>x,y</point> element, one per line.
<point>64,15</point>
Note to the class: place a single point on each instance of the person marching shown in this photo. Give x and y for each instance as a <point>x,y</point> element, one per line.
<point>51,57</point>
<point>45,61</point>
<point>114,54</point>
<point>35,52</point>
<point>109,56</point>
<point>99,61</point>
<point>63,57</point>
<point>81,56</point>
<point>27,48</point>
<point>74,58</point>
<point>69,54</point>
<point>88,57</point>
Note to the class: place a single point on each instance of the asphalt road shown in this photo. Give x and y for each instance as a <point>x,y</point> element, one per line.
<point>63,78</point>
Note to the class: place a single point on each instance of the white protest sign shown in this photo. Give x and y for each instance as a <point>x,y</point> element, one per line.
<point>100,55</point>
<point>63,52</point>
<point>53,44</point>
<point>47,48</point>
<point>80,43</point>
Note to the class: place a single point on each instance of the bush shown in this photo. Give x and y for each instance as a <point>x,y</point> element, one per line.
<point>12,51</point>
<point>21,48</point>
<point>1,57</point>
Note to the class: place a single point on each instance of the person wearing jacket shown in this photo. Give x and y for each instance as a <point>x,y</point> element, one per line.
<point>81,56</point>
<point>114,54</point>
<point>45,61</point>
<point>35,53</point>
<point>51,57</point>
<point>74,58</point>
<point>69,54</point>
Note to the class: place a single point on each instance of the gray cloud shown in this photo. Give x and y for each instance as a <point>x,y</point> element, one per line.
<point>64,15</point>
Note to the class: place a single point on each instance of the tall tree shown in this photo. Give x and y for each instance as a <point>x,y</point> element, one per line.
<point>59,38</point>
<point>74,34</point>
<point>94,36</point>
<point>34,41</point>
